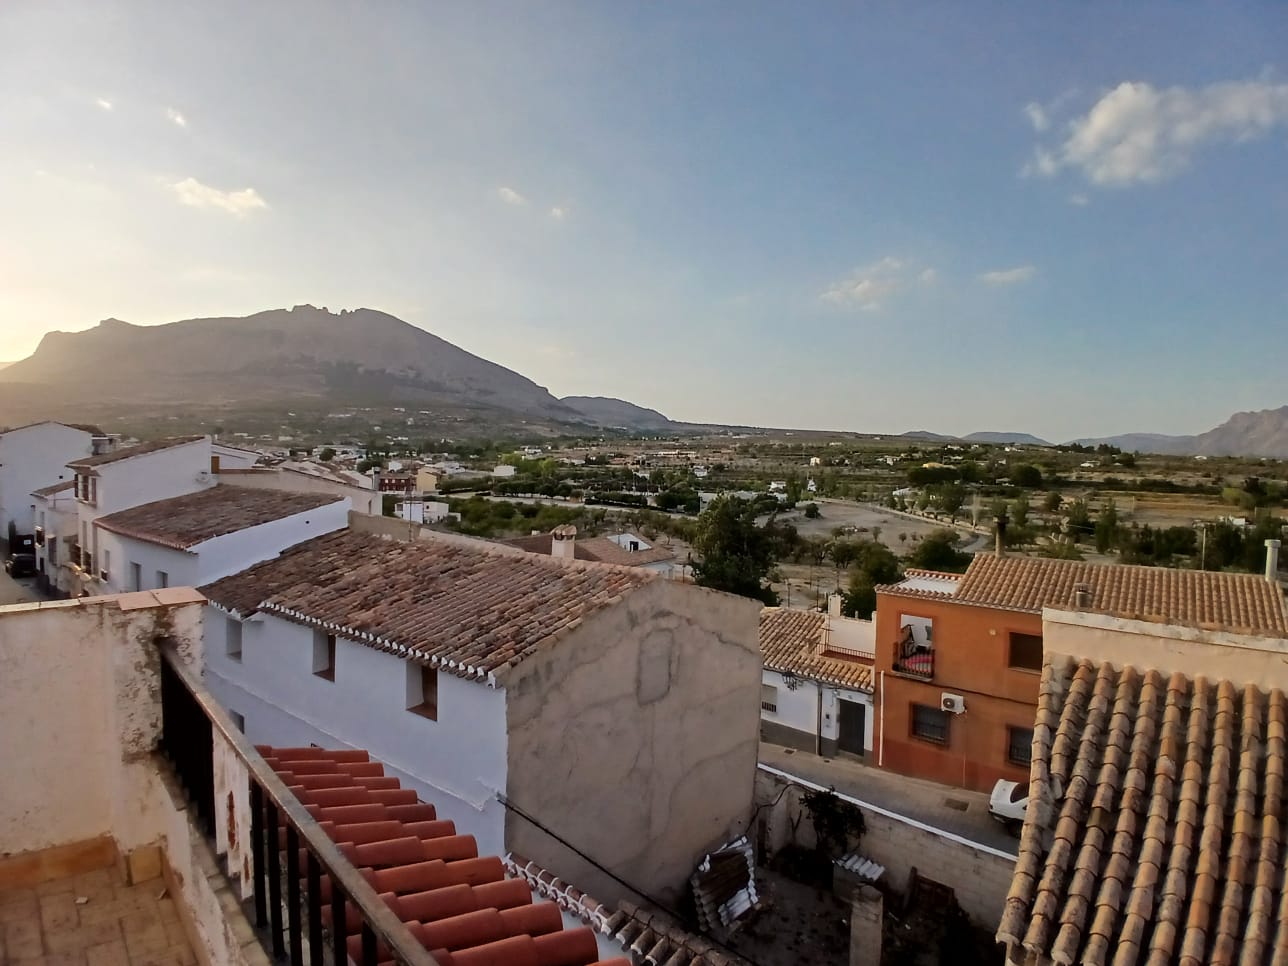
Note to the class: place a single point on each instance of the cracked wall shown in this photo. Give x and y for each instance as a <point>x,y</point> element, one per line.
<point>635,739</point>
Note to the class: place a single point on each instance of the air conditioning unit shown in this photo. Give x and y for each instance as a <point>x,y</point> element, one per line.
<point>952,703</point>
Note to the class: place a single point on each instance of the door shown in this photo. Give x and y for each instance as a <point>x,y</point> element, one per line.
<point>852,719</point>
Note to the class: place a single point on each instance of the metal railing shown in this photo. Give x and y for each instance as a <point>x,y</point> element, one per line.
<point>832,649</point>
<point>192,723</point>
<point>915,660</point>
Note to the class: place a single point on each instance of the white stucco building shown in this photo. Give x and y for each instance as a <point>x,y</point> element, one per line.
<point>190,540</point>
<point>309,476</point>
<point>527,697</point>
<point>816,692</point>
<point>32,457</point>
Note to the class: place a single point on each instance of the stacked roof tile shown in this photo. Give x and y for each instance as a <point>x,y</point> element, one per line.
<point>129,452</point>
<point>184,521</point>
<point>458,904</point>
<point>463,606</point>
<point>1157,822</point>
<point>791,641</point>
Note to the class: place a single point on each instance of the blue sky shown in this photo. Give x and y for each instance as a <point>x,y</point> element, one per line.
<point>1063,219</point>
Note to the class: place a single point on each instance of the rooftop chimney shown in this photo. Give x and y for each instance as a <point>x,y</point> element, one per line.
<point>834,605</point>
<point>563,542</point>
<point>999,530</point>
<point>1081,596</point>
<point>1272,561</point>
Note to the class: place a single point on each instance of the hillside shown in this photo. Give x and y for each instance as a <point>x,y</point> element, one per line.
<point>1263,433</point>
<point>618,413</point>
<point>1025,439</point>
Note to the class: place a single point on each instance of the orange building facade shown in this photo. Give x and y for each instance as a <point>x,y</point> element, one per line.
<point>956,685</point>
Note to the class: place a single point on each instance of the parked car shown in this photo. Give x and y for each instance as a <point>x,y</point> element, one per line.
<point>20,565</point>
<point>1008,803</point>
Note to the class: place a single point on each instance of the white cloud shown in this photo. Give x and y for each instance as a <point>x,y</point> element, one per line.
<point>192,192</point>
<point>1139,133</point>
<point>928,276</point>
<point>558,213</point>
<point>1009,276</point>
<point>175,116</point>
<point>1037,116</point>
<point>1080,200</point>
<point>868,287</point>
<point>104,103</point>
<point>510,196</point>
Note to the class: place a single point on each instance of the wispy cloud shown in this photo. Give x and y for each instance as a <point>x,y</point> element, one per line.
<point>1037,116</point>
<point>1008,276</point>
<point>510,196</point>
<point>869,287</point>
<point>1080,200</point>
<point>1139,133</point>
<point>192,192</point>
<point>176,117</point>
<point>558,213</point>
<point>104,103</point>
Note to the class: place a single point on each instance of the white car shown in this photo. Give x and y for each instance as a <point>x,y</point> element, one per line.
<point>1008,802</point>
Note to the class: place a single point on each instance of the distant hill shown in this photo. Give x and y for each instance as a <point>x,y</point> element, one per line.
<point>618,413</point>
<point>926,436</point>
<point>1263,433</point>
<point>1025,439</point>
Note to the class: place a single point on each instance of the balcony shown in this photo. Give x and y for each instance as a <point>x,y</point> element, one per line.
<point>914,659</point>
<point>98,696</point>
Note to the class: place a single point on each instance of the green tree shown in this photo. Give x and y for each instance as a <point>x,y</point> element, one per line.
<point>327,454</point>
<point>735,554</point>
<point>1107,527</point>
<point>1020,511</point>
<point>1077,520</point>
<point>812,511</point>
<point>951,498</point>
<point>939,552</point>
<point>873,564</point>
<point>1052,502</point>
<point>1026,475</point>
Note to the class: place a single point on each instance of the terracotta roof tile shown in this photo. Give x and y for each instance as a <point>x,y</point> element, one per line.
<point>458,904</point>
<point>600,549</point>
<point>461,605</point>
<point>184,521</point>
<point>791,642</point>
<point>129,452</point>
<point>1153,832</point>
<point>54,488</point>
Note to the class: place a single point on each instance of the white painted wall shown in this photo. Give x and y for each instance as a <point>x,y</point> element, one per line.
<point>57,514</point>
<point>150,477</point>
<point>832,711</point>
<point>179,565</point>
<point>233,458</point>
<point>799,709</point>
<point>364,500</point>
<point>920,628</point>
<point>234,552</point>
<point>31,458</point>
<point>457,763</point>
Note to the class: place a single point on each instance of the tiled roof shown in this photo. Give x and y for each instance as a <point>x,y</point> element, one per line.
<point>460,605</point>
<point>1244,603</point>
<point>599,549</point>
<point>129,452</point>
<point>83,427</point>
<point>54,488</point>
<point>458,904</point>
<point>184,521</point>
<point>1155,830</point>
<point>790,641</point>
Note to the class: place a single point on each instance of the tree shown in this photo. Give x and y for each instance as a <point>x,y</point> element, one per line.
<point>1052,502</point>
<point>1107,527</point>
<point>812,511</point>
<point>735,554</point>
<point>874,564</point>
<point>327,454</point>
<point>1020,511</point>
<point>1026,475</point>
<point>951,498</point>
<point>1077,520</point>
<point>939,552</point>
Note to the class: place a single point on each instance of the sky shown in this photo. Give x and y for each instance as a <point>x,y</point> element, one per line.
<point>1064,219</point>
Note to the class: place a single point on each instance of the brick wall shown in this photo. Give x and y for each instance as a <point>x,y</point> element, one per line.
<point>980,877</point>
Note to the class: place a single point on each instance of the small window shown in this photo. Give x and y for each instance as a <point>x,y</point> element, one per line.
<point>1026,652</point>
<point>1019,746</point>
<point>930,724</point>
<point>238,719</point>
<point>233,638</point>
<point>163,579</point>
<point>422,690</point>
<point>324,655</point>
<point>768,698</point>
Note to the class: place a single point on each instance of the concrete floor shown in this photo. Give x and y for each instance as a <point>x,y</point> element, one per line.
<point>944,807</point>
<point>92,919</point>
<point>17,591</point>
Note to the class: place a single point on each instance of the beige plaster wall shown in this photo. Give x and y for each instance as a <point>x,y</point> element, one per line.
<point>1165,647</point>
<point>635,739</point>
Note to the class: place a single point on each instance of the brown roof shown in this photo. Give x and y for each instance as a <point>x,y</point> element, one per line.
<point>129,452</point>
<point>184,521</point>
<point>1243,603</point>
<point>83,427</point>
<point>461,906</point>
<point>791,642</point>
<point>463,605</point>
<point>1155,826</point>
<point>54,488</point>
<point>599,549</point>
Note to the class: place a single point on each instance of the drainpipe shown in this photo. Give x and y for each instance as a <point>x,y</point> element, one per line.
<point>881,743</point>
<point>818,720</point>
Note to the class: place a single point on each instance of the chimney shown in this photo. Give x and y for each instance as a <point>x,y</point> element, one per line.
<point>563,543</point>
<point>1000,533</point>
<point>1081,596</point>
<point>1272,561</point>
<point>834,605</point>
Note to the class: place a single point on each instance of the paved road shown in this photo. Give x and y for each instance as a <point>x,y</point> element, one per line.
<point>925,801</point>
<point>17,591</point>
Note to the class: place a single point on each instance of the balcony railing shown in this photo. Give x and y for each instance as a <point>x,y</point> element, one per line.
<point>211,757</point>
<point>832,649</point>
<point>915,660</point>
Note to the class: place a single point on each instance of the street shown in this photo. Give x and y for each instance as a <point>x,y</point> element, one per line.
<point>17,591</point>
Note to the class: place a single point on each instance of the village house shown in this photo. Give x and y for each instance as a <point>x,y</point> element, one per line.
<point>33,457</point>
<point>310,476</point>
<point>959,657</point>
<point>1154,826</point>
<point>55,530</point>
<point>478,673</point>
<point>197,538</point>
<point>816,686</point>
<point>625,549</point>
